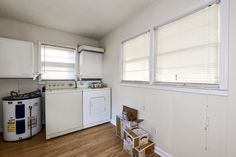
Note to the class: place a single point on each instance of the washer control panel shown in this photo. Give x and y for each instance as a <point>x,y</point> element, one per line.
<point>60,85</point>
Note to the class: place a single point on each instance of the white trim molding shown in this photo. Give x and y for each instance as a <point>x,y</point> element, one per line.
<point>113,121</point>
<point>179,89</point>
<point>161,152</point>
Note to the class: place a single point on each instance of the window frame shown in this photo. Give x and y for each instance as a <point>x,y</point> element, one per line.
<point>40,43</point>
<point>187,84</point>
<point>122,55</point>
<point>222,88</point>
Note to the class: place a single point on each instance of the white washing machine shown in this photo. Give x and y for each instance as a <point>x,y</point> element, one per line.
<point>21,115</point>
<point>63,106</point>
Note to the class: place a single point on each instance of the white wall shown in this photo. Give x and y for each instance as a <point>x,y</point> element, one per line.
<point>178,118</point>
<point>23,31</point>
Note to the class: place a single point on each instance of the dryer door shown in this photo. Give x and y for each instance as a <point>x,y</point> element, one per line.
<point>96,107</point>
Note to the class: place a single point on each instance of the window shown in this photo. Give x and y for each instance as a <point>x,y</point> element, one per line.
<point>188,54</point>
<point>136,52</point>
<point>187,49</point>
<point>57,63</point>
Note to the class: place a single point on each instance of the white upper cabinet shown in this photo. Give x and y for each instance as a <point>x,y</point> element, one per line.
<point>91,62</point>
<point>16,58</point>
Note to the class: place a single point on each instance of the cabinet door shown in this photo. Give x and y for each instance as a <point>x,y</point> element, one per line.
<point>96,107</point>
<point>16,58</point>
<point>91,64</point>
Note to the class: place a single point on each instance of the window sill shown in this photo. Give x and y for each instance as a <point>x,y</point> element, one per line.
<point>197,90</point>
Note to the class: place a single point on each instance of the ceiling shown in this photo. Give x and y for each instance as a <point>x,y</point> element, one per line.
<point>90,18</point>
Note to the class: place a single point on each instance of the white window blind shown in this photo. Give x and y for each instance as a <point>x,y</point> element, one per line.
<point>57,63</point>
<point>136,52</point>
<point>188,48</point>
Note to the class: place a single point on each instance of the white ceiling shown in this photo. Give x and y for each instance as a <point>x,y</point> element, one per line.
<point>90,18</point>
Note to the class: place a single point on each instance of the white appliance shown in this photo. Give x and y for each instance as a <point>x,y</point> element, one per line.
<point>96,106</point>
<point>21,115</point>
<point>63,107</point>
<point>91,62</point>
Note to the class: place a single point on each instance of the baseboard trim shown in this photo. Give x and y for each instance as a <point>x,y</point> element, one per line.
<point>161,152</point>
<point>113,121</point>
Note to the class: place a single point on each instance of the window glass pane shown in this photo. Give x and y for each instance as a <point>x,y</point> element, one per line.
<point>136,53</point>
<point>142,64</point>
<point>188,49</point>
<point>136,76</point>
<point>57,63</point>
<point>136,48</point>
<point>58,55</point>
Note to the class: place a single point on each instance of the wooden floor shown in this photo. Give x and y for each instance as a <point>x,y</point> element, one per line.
<point>98,141</point>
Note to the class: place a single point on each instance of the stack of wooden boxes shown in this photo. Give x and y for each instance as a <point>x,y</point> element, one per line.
<point>135,140</point>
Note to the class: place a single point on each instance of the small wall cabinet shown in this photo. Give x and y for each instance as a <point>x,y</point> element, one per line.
<point>16,58</point>
<point>91,62</point>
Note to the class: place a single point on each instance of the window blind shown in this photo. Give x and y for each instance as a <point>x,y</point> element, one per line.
<point>136,52</point>
<point>57,63</point>
<point>188,48</point>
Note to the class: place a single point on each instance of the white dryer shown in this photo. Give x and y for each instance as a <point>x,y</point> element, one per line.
<point>96,106</point>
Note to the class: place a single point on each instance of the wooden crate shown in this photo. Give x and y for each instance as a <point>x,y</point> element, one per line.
<point>118,126</point>
<point>132,114</point>
<point>122,125</point>
<point>128,147</point>
<point>144,150</point>
<point>136,137</point>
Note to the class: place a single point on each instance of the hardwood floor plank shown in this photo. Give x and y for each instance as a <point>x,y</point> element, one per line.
<point>99,141</point>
